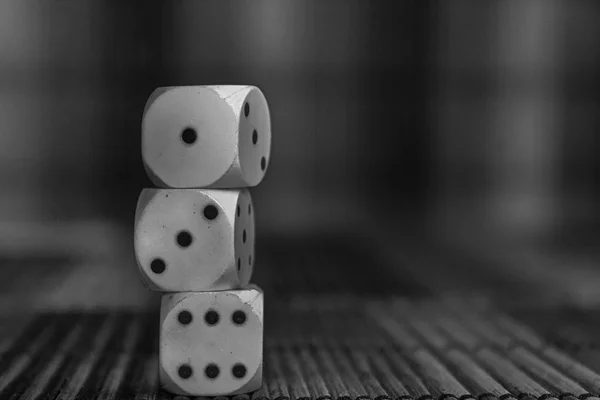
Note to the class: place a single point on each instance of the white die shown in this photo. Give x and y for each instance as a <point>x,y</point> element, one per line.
<point>211,343</point>
<point>206,136</point>
<point>194,239</point>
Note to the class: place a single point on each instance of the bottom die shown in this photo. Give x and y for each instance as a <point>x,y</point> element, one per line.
<point>211,343</point>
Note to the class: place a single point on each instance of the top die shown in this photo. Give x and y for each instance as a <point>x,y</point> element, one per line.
<point>206,136</point>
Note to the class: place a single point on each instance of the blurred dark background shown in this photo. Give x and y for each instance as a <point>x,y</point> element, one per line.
<point>465,114</point>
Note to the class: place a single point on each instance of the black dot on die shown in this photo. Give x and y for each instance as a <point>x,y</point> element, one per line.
<point>211,212</point>
<point>211,371</point>
<point>189,136</point>
<point>254,137</point>
<point>184,239</point>
<point>263,163</point>
<point>246,109</point>
<point>238,317</point>
<point>184,317</point>
<point>211,317</point>
<point>239,370</point>
<point>238,211</point>
<point>185,371</point>
<point>239,264</point>
<point>244,236</point>
<point>158,266</point>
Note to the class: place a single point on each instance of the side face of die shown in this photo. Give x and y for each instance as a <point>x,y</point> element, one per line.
<point>211,343</point>
<point>194,239</point>
<point>206,136</point>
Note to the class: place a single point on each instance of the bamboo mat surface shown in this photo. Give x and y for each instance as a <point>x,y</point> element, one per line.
<point>345,319</point>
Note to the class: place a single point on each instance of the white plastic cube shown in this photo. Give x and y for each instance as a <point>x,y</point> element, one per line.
<point>206,136</point>
<point>194,239</point>
<point>211,343</point>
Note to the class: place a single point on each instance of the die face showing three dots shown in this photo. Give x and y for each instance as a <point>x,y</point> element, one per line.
<point>193,240</point>
<point>244,238</point>
<point>228,358</point>
<point>206,136</point>
<point>255,137</point>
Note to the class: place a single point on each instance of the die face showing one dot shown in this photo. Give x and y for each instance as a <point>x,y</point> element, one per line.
<point>244,235</point>
<point>184,239</point>
<point>228,359</point>
<point>189,137</point>
<point>254,137</point>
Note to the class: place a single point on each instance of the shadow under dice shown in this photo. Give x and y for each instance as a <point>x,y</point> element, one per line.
<point>211,342</point>
<point>206,136</point>
<point>194,239</point>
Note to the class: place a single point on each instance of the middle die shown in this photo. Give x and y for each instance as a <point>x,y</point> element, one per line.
<point>194,239</point>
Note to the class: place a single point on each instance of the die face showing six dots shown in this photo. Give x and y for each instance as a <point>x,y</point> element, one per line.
<point>228,358</point>
<point>191,239</point>
<point>206,136</point>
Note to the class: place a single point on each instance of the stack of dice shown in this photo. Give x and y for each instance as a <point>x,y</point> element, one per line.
<point>203,146</point>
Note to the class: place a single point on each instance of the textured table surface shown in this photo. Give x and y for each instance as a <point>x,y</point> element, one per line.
<point>344,318</point>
